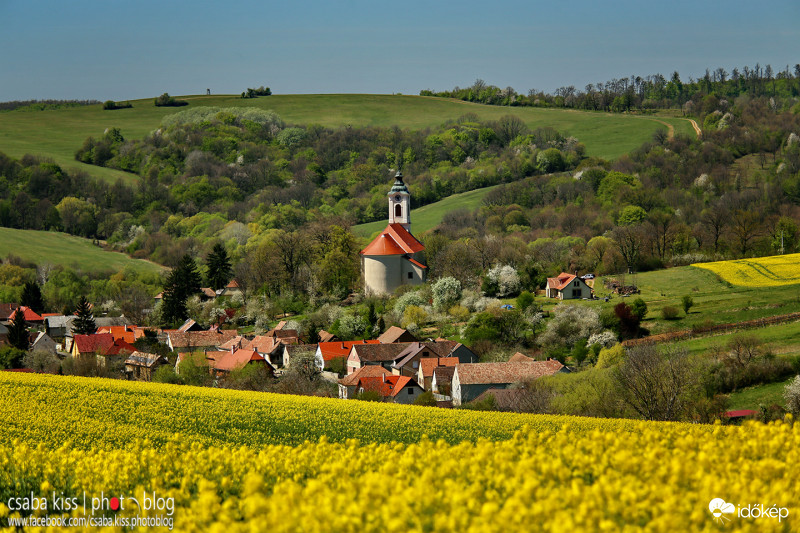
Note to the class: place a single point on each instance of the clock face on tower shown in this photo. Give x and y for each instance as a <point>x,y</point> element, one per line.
<point>397,198</point>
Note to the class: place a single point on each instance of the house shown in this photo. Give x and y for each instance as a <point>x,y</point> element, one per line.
<point>238,359</point>
<point>92,345</point>
<point>32,318</point>
<point>328,351</point>
<point>235,343</point>
<point>567,287</point>
<point>190,325</point>
<point>395,334</point>
<point>230,290</point>
<point>59,327</point>
<point>347,385</point>
<point>141,365</point>
<point>207,293</point>
<point>177,340</point>
<point>208,359</point>
<point>325,336</point>
<point>397,389</point>
<point>6,310</point>
<point>125,333</point>
<point>287,354</point>
<point>408,361</point>
<point>442,380</point>
<point>428,365</point>
<point>3,335</point>
<point>520,358</point>
<point>272,347</point>
<point>470,380</point>
<point>44,343</point>
<point>394,257</point>
<point>384,355</point>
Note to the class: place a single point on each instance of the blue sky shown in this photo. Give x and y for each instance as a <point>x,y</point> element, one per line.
<point>135,49</point>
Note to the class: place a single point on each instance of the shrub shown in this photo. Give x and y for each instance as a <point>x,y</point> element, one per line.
<point>570,323</point>
<point>639,308</point>
<point>409,298</point>
<point>687,302</point>
<point>166,374</point>
<point>502,281</point>
<point>791,395</point>
<point>414,314</point>
<point>604,339</point>
<point>524,300</point>
<point>426,398</point>
<point>446,292</point>
<point>669,312</point>
<point>610,356</point>
<point>110,105</point>
<point>165,100</point>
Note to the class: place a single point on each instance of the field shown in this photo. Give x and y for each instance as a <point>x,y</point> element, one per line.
<point>431,215</point>
<point>715,300</point>
<point>773,271</point>
<point>59,133</point>
<point>76,437</point>
<point>62,249</point>
<point>754,397</point>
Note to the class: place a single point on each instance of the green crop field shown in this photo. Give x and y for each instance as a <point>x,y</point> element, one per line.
<point>755,397</point>
<point>429,216</point>
<point>715,301</point>
<point>67,250</point>
<point>59,133</point>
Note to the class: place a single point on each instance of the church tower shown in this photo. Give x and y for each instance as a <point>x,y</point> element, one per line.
<point>400,203</point>
<point>395,257</point>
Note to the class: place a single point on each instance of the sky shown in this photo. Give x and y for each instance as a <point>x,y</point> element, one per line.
<point>120,50</point>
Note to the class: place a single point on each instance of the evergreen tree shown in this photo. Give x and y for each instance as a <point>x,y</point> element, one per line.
<point>182,282</point>
<point>219,267</point>
<point>32,296</point>
<point>18,332</point>
<point>84,323</point>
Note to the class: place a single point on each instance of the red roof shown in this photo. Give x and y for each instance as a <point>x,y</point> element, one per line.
<point>394,240</point>
<point>238,359</point>
<point>332,350</point>
<point>385,386</point>
<point>368,371</point>
<point>429,364</point>
<point>119,332</point>
<point>29,314</point>
<point>416,263</point>
<point>561,281</point>
<point>740,413</point>
<point>97,343</point>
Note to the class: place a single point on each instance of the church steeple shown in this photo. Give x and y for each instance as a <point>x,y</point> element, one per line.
<point>400,203</point>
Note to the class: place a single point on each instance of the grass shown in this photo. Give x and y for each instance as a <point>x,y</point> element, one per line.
<point>782,339</point>
<point>754,397</point>
<point>431,215</point>
<point>67,250</point>
<point>59,133</point>
<point>715,301</point>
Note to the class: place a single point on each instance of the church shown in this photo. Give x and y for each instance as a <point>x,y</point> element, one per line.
<point>395,257</point>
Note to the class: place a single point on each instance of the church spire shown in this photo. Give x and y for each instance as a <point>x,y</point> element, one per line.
<point>400,203</point>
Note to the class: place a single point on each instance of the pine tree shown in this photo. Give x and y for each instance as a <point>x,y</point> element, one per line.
<point>32,296</point>
<point>182,282</point>
<point>219,267</point>
<point>18,332</point>
<point>84,323</point>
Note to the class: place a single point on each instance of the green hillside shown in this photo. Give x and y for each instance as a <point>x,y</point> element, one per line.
<point>59,133</point>
<point>62,249</point>
<point>429,216</point>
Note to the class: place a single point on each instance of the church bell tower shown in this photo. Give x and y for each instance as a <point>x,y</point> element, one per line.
<point>400,203</point>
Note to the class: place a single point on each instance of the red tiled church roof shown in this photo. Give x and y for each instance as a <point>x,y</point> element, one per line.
<point>394,240</point>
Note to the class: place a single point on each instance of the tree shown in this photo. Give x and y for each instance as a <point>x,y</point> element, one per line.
<point>791,394</point>
<point>32,296</point>
<point>182,282</point>
<point>629,243</point>
<point>219,267</point>
<point>687,302</point>
<point>657,386</point>
<point>84,323</point>
<point>745,226</point>
<point>18,332</point>
<point>446,293</point>
<point>715,220</point>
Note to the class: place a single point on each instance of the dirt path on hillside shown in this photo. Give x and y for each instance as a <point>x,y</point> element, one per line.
<point>697,129</point>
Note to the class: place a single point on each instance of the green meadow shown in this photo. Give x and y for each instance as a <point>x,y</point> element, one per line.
<point>62,249</point>
<point>59,133</point>
<point>429,216</point>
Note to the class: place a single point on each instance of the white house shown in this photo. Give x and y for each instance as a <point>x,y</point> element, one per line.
<point>567,287</point>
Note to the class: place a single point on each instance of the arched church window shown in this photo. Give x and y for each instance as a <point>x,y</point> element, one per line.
<point>398,210</point>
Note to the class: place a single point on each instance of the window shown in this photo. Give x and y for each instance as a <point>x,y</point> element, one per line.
<point>576,293</point>
<point>410,275</point>
<point>398,210</point>
<point>410,391</point>
<point>415,364</point>
<point>577,283</point>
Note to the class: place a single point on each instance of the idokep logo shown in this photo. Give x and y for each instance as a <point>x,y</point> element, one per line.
<point>719,508</point>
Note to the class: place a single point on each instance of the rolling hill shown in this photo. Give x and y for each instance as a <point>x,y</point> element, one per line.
<point>68,250</point>
<point>59,133</point>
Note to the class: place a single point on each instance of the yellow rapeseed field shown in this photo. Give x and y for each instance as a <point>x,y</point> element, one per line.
<point>771,271</point>
<point>548,474</point>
